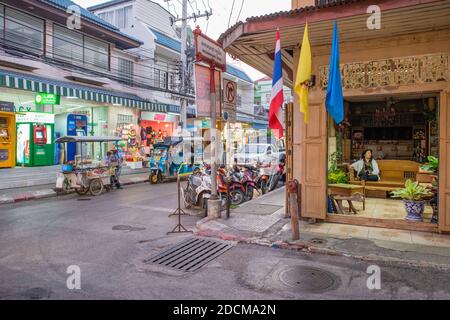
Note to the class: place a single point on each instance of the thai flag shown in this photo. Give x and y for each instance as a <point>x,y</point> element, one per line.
<point>276,100</point>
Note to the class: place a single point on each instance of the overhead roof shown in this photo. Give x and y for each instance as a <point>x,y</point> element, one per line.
<point>238,73</point>
<point>107,4</point>
<point>166,41</point>
<point>123,40</point>
<point>253,41</point>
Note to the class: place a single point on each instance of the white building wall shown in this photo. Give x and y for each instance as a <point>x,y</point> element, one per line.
<point>147,14</point>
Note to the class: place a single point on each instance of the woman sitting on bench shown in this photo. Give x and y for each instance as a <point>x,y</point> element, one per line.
<point>366,167</point>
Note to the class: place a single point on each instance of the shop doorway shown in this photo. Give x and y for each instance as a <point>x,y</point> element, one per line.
<point>400,133</point>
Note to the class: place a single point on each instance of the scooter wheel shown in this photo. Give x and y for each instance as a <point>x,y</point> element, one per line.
<point>153,178</point>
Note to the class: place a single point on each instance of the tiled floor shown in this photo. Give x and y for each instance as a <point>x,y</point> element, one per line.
<point>372,233</point>
<point>386,209</point>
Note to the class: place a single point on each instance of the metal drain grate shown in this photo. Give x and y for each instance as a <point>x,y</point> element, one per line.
<point>309,279</point>
<point>191,254</point>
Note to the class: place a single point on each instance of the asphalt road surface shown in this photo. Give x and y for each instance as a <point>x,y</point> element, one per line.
<point>109,237</point>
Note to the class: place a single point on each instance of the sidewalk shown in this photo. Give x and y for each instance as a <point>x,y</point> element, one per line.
<point>29,183</point>
<point>262,222</point>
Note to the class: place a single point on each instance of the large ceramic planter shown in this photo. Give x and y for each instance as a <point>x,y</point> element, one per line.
<point>414,210</point>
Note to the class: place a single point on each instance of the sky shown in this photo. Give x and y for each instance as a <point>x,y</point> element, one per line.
<point>220,19</point>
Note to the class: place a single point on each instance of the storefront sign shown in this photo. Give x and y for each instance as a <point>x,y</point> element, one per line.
<point>203,98</point>
<point>209,51</point>
<point>7,106</point>
<point>46,98</point>
<point>35,117</point>
<point>154,116</point>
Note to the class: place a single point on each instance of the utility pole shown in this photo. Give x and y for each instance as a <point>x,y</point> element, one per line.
<point>184,19</point>
<point>183,101</point>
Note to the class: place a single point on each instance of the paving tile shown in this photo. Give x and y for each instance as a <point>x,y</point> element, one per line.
<point>348,231</point>
<point>321,228</point>
<point>390,235</point>
<point>430,239</point>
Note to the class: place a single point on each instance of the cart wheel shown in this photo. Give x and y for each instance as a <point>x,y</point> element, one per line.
<point>153,178</point>
<point>82,190</point>
<point>96,187</point>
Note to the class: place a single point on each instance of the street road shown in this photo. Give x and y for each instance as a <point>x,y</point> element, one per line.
<point>110,236</point>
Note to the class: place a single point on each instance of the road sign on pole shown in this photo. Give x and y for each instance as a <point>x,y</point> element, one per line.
<point>230,99</point>
<point>211,52</point>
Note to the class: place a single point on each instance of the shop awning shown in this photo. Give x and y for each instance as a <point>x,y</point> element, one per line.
<point>22,81</point>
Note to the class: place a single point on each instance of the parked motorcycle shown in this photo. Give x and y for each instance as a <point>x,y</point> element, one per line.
<point>250,179</point>
<point>197,191</point>
<point>236,188</point>
<point>279,174</point>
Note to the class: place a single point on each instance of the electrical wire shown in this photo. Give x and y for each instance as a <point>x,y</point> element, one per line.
<point>240,10</point>
<point>231,13</point>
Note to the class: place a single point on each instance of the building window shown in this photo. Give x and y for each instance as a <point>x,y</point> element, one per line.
<point>74,47</point>
<point>124,119</point>
<point>156,77</point>
<point>67,45</point>
<point>121,18</point>
<point>96,53</point>
<point>163,80</point>
<point>171,82</point>
<point>22,30</point>
<point>126,70</point>
<point>108,16</point>
<point>2,21</point>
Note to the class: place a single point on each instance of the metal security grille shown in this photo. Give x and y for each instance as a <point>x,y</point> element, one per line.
<point>191,254</point>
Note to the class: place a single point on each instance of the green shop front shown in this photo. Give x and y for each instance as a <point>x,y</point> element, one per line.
<point>106,112</point>
<point>35,139</point>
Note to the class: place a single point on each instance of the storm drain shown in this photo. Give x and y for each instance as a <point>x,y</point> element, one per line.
<point>191,254</point>
<point>309,279</point>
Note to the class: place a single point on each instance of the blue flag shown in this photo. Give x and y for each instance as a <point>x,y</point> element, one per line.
<point>335,98</point>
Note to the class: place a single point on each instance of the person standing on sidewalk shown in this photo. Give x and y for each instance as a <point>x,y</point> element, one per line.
<point>113,159</point>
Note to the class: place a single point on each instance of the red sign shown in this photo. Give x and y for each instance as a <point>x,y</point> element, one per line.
<point>209,51</point>
<point>202,90</point>
<point>160,117</point>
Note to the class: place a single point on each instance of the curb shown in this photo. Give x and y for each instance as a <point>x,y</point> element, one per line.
<point>49,193</point>
<point>309,248</point>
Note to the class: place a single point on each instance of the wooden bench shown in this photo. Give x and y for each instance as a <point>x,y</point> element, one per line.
<point>393,174</point>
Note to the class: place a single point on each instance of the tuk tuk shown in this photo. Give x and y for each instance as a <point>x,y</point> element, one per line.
<point>83,174</point>
<point>167,162</point>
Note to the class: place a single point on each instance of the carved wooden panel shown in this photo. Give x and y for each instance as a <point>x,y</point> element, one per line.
<point>391,72</point>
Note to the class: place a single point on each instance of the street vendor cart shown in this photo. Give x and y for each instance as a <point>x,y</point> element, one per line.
<point>85,175</point>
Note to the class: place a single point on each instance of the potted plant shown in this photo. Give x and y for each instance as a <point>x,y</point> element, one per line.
<point>432,165</point>
<point>413,195</point>
<point>337,176</point>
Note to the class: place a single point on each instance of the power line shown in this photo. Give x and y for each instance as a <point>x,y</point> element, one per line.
<point>231,13</point>
<point>240,10</point>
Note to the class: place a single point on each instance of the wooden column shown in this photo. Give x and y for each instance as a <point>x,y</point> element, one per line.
<point>444,162</point>
<point>289,117</point>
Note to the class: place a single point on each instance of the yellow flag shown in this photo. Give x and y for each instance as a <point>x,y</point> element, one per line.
<point>304,74</point>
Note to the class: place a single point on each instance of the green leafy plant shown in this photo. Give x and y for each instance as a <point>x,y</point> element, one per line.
<point>337,176</point>
<point>431,165</point>
<point>412,191</point>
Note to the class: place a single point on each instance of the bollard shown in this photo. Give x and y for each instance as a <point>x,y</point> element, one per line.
<point>292,189</point>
